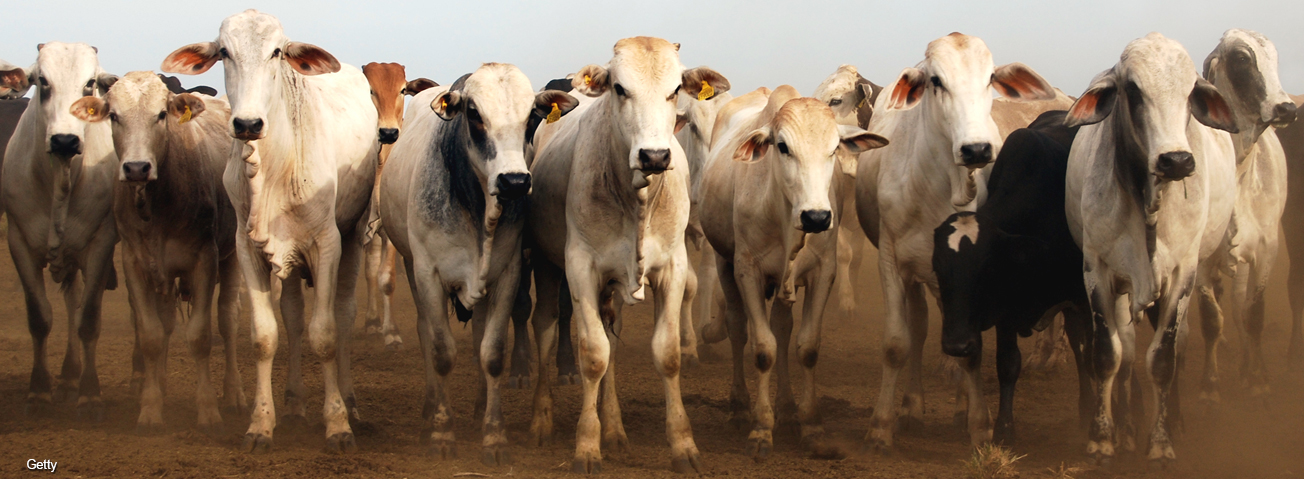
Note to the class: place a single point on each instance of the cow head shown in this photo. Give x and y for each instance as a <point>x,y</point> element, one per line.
<point>13,81</point>
<point>850,96</point>
<point>1244,68</point>
<point>801,142</point>
<point>389,85</point>
<point>954,84</point>
<point>969,259</point>
<point>694,127</point>
<point>258,61</point>
<point>642,83</point>
<point>63,74</point>
<point>1160,92</point>
<point>141,110</point>
<point>491,109</point>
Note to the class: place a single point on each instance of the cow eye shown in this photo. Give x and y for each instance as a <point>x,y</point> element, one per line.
<point>276,53</point>
<point>835,102</point>
<point>90,83</point>
<point>44,82</point>
<point>162,115</point>
<point>113,117</point>
<point>673,96</point>
<point>937,82</point>
<point>224,53</point>
<point>620,90</point>
<point>783,147</point>
<point>473,114</point>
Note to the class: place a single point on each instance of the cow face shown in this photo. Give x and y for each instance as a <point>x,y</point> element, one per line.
<point>1244,68</point>
<point>65,73</point>
<point>258,61</point>
<point>954,84</point>
<point>1160,91</point>
<point>643,81</point>
<point>13,81</point>
<point>389,85</point>
<point>972,262</point>
<point>802,142</point>
<point>141,110</point>
<point>694,125</point>
<point>491,108</point>
<point>849,95</point>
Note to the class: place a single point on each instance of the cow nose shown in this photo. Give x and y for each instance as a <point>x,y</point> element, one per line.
<point>654,161</point>
<point>1175,165</point>
<point>136,170</point>
<point>245,127</point>
<point>816,221</point>
<point>65,145</point>
<point>960,349</point>
<point>513,185</point>
<point>1283,113</point>
<point>976,154</point>
<point>388,136</point>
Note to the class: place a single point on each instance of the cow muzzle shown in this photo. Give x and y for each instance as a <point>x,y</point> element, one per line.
<point>513,185</point>
<point>65,146</point>
<point>816,221</point>
<point>1283,115</point>
<point>388,136</point>
<point>247,129</point>
<point>653,161</point>
<point>1175,166</point>
<point>136,171</point>
<point>976,155</point>
<point>961,348</point>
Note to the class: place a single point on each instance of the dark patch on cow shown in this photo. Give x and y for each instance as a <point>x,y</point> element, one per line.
<point>560,84</point>
<point>463,314</point>
<point>10,112</point>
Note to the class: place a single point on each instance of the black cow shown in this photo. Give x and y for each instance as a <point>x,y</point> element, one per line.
<point>1013,264</point>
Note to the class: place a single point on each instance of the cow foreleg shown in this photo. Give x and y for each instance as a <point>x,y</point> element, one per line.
<point>69,380</point>
<point>324,334</point>
<point>151,342</point>
<point>39,320</point>
<point>740,400</point>
<point>1251,306</point>
<point>1127,384</point>
<point>492,360</point>
<point>346,312</point>
<point>438,351</point>
<point>1162,360</point>
<point>566,368</point>
<point>548,280</point>
<point>710,312</point>
<point>521,355</point>
<point>785,405</point>
<point>687,330</point>
<point>594,352</point>
<point>374,250</point>
<point>388,270</point>
<point>228,315</point>
<point>911,412</point>
<point>198,336</point>
<point>264,332</point>
<point>296,394</point>
<point>896,345</point>
<point>818,290</point>
<point>99,271</point>
<point>1107,347</point>
<point>668,283</point>
<point>1009,361</point>
<point>1210,288</point>
<point>1077,326</point>
<point>751,287</point>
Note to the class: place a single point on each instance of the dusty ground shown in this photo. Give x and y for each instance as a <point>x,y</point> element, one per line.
<point>1241,440</point>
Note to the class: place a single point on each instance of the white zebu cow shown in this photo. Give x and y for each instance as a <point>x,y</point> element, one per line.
<point>938,117</point>
<point>1244,69</point>
<point>1144,180</point>
<point>59,173</point>
<point>770,208</point>
<point>453,202</point>
<point>177,228</point>
<point>611,204</point>
<point>300,185</point>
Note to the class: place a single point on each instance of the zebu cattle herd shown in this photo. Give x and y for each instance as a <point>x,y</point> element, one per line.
<point>1114,208</point>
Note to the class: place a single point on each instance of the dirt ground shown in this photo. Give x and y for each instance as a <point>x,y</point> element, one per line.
<point>1236,440</point>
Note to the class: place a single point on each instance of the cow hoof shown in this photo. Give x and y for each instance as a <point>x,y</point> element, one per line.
<point>236,409</point>
<point>442,450</point>
<point>688,362</point>
<point>372,327</point>
<point>518,382</point>
<point>495,456</point>
<point>1160,464</point>
<point>759,449</point>
<point>1102,462</point>
<point>616,443</point>
<point>137,383</point>
<point>341,443</point>
<point>256,444</point>
<point>587,465</point>
<point>911,423</point>
<point>690,463</point>
<point>66,393</point>
<point>293,423</point>
<point>1003,434</point>
<point>393,343</point>
<point>879,441</point>
<point>90,410</point>
<point>38,405</point>
<point>568,379</point>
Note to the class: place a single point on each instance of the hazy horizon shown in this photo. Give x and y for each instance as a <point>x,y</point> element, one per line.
<point>752,43</point>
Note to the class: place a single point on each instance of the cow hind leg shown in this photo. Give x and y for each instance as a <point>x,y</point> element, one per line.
<point>198,336</point>
<point>548,279</point>
<point>374,249</point>
<point>69,379</point>
<point>1009,361</point>
<point>1077,326</point>
<point>1211,326</point>
<point>566,365</point>
<point>438,352</point>
<point>740,400</point>
<point>1295,291</point>
<point>99,272</point>
<point>228,317</point>
<point>388,270</point>
<point>684,456</point>
<point>614,438</point>
<point>520,375</point>
<point>808,348</point>
<point>296,395</point>
<point>785,410</point>
<point>687,331</point>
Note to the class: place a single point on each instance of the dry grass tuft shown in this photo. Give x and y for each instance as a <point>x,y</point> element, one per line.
<point>1064,471</point>
<point>990,461</point>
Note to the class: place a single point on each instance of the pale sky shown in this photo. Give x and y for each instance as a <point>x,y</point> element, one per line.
<point>753,43</point>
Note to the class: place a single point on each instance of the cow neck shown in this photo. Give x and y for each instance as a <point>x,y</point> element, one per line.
<point>936,173</point>
<point>794,239</point>
<point>1132,172</point>
<point>638,204</point>
<point>1246,141</point>
<point>469,193</point>
<point>62,177</point>
<point>283,148</point>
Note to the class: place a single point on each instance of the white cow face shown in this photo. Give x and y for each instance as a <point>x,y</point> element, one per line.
<point>13,81</point>
<point>954,83</point>
<point>848,94</point>
<point>644,79</point>
<point>1160,92</point>
<point>258,60</point>
<point>64,73</point>
<point>1244,68</point>
<point>802,142</point>
<point>490,109</point>
<point>141,110</point>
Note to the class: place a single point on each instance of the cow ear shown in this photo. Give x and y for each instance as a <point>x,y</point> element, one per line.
<point>856,140</point>
<point>1019,82</point>
<point>1211,64</point>
<point>447,104</point>
<point>681,119</point>
<point>90,108</point>
<point>1210,108</point>
<point>192,59</point>
<point>309,59</point>
<point>105,81</point>
<point>907,90</point>
<point>417,86</point>
<point>185,106</point>
<point>865,109</point>
<point>704,83</point>
<point>551,105</point>
<point>754,147</point>
<point>13,83</point>
<point>592,80</point>
<point>1094,104</point>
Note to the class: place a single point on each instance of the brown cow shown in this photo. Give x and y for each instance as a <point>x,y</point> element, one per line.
<point>177,229</point>
<point>1292,141</point>
<point>389,85</point>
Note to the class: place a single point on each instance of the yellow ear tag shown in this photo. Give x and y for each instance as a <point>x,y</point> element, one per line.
<point>555,114</point>
<point>706,93</point>
<point>862,103</point>
<point>185,116</point>
<point>90,110</point>
<point>443,104</point>
<point>588,81</point>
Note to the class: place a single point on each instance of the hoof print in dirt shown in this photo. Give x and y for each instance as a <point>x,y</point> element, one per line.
<point>341,443</point>
<point>256,444</point>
